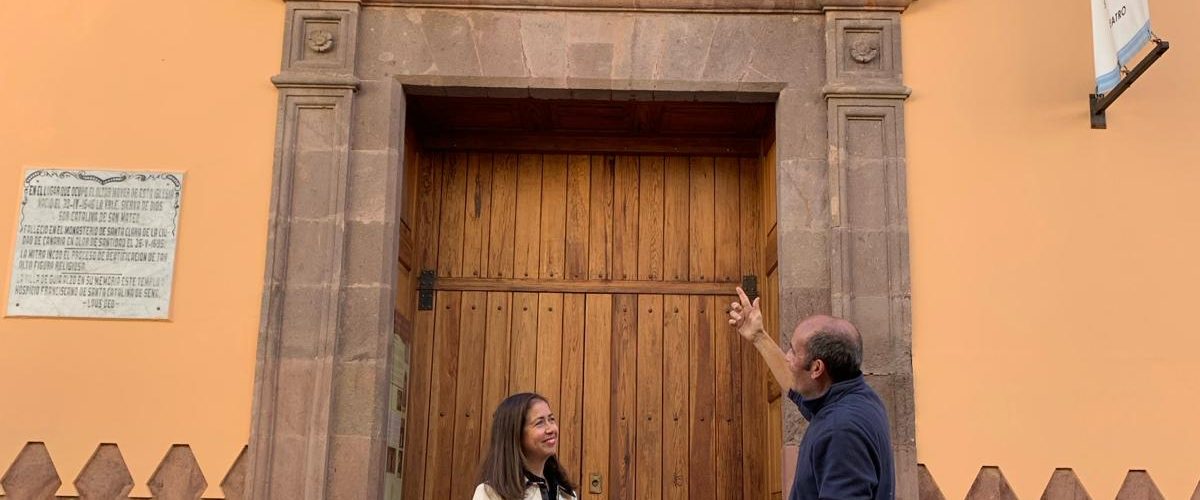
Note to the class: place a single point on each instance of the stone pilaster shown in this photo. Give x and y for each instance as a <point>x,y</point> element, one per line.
<point>317,421</point>
<point>868,246</point>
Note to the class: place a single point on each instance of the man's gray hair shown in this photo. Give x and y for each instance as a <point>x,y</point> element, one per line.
<point>841,348</point>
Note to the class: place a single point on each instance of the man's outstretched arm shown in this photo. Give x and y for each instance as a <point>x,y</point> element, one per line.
<point>746,318</point>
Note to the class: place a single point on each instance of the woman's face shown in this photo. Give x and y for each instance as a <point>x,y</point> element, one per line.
<point>539,439</point>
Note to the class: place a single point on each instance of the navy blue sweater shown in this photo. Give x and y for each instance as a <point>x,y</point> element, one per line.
<point>846,453</point>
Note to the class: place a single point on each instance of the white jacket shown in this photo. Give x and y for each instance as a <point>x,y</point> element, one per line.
<point>485,492</point>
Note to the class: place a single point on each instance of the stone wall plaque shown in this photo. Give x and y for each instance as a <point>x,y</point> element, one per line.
<point>95,244</point>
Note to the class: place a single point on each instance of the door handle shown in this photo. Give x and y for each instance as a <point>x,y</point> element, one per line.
<point>596,484</point>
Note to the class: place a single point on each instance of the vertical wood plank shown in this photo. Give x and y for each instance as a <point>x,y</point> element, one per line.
<point>439,455</point>
<point>498,341</point>
<point>454,192</point>
<point>774,396</point>
<point>427,210</point>
<point>468,412</point>
<point>554,216</point>
<point>650,216</point>
<point>754,393</point>
<point>570,411</point>
<point>649,441</point>
<point>597,390</point>
<point>625,218</point>
<point>701,267</point>
<point>675,397</point>
<point>526,254</point>
<point>702,466</point>
<point>523,358</point>
<point>623,466</point>
<point>701,252</point>
<point>676,216</point>
<point>578,217</point>
<point>769,192</point>
<point>727,353</point>
<point>601,211</point>
<point>548,379</point>
<point>478,210</point>
<point>495,361</point>
<point>504,213</point>
<point>443,383</point>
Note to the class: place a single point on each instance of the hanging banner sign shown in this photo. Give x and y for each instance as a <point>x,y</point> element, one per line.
<point>1120,28</point>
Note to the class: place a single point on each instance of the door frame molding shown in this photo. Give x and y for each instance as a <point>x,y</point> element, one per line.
<point>319,419</point>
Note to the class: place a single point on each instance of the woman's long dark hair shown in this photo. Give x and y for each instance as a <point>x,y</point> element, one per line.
<point>503,467</point>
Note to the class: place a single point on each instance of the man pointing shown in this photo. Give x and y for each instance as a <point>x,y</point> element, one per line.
<point>846,453</point>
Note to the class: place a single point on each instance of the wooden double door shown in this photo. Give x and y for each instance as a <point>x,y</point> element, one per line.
<point>600,282</point>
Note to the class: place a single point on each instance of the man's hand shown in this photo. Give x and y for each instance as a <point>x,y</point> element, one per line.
<point>746,317</point>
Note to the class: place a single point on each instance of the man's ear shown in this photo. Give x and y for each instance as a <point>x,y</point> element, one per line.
<point>817,368</point>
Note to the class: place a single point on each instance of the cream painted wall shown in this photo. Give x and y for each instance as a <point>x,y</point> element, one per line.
<point>1054,267</point>
<point>143,85</point>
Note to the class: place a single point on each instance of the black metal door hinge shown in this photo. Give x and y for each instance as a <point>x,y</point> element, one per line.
<point>425,289</point>
<point>750,286</point>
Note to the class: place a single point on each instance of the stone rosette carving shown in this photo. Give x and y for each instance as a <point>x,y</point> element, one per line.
<point>320,41</point>
<point>864,50</point>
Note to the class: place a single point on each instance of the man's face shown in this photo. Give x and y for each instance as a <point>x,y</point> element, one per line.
<point>806,385</point>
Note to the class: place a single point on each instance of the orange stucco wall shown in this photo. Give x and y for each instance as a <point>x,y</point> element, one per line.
<point>136,85</point>
<point>1054,267</point>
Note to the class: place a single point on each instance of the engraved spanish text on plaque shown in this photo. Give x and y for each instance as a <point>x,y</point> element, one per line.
<point>95,244</point>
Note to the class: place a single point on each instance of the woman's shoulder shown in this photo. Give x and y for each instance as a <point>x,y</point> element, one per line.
<point>485,492</point>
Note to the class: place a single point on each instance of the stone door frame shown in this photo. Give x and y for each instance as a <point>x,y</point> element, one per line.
<point>323,367</point>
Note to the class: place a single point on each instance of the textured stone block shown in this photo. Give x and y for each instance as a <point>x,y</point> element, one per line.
<point>803,193</point>
<point>105,476</point>
<point>374,119</point>
<point>1138,486</point>
<point>363,325</point>
<point>498,40</point>
<point>355,462</point>
<point>589,60</point>
<point>990,484</point>
<point>1065,485</point>
<point>357,385</point>
<point>178,476</point>
<point>453,48</point>
<point>800,123</point>
<point>371,173</point>
<point>294,400</point>
<point>368,247</point>
<point>867,255</point>
<point>399,43</point>
<point>303,319</point>
<point>866,187</point>
<point>234,483</point>
<point>311,253</point>
<point>927,488</point>
<point>803,257</point>
<point>685,49</point>
<point>543,37</point>
<point>732,46</point>
<point>32,474</point>
<point>288,466</point>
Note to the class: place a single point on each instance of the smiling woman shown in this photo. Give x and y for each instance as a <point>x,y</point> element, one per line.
<point>522,457</point>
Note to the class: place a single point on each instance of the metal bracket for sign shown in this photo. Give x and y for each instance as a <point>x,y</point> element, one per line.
<point>750,286</point>
<point>1100,102</point>
<point>425,290</point>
